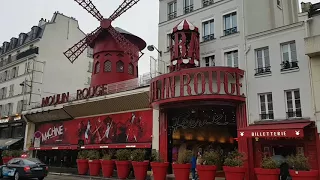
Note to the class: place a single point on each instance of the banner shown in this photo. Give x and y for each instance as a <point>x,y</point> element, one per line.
<point>117,128</point>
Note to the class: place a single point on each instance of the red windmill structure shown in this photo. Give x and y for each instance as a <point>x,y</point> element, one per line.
<point>115,51</point>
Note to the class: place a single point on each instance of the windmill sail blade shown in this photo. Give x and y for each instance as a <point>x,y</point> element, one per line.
<point>127,4</point>
<point>74,52</point>
<point>128,47</point>
<point>91,8</point>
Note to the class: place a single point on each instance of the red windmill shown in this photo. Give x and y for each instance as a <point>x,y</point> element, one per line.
<point>115,51</point>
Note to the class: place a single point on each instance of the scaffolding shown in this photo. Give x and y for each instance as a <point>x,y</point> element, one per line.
<point>157,67</point>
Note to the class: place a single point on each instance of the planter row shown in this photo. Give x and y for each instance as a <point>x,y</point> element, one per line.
<point>181,171</point>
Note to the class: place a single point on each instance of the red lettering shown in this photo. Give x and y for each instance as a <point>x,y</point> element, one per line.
<point>79,94</point>
<point>65,97</point>
<point>218,82</point>
<point>196,85</point>
<point>50,100</point>
<point>226,83</point>
<point>162,88</point>
<point>170,87</point>
<point>238,84</point>
<point>57,99</point>
<point>85,93</point>
<point>185,83</point>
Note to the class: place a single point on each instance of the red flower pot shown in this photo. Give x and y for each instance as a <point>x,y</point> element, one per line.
<point>267,174</point>
<point>304,175</point>
<point>6,159</point>
<point>107,167</point>
<point>123,169</point>
<point>82,166</point>
<point>159,170</point>
<point>234,173</point>
<point>206,172</point>
<point>140,169</point>
<point>94,167</point>
<point>181,171</point>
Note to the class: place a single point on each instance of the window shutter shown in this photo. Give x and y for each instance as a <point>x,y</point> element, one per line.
<point>5,92</point>
<point>10,108</point>
<point>266,57</point>
<point>17,71</point>
<point>293,52</point>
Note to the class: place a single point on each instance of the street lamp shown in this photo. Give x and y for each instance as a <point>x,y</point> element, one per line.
<point>24,84</point>
<point>152,47</point>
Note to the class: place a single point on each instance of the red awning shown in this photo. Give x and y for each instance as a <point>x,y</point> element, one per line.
<point>274,130</point>
<point>96,146</point>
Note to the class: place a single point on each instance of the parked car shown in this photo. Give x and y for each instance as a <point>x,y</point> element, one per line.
<point>18,168</point>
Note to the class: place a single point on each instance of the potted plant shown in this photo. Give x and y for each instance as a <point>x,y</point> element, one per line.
<point>269,169</point>
<point>6,156</point>
<point>300,168</point>
<point>123,163</point>
<point>181,168</point>
<point>82,162</point>
<point>158,166</point>
<point>140,165</point>
<point>107,164</point>
<point>233,166</point>
<point>16,153</point>
<point>94,162</point>
<point>209,167</point>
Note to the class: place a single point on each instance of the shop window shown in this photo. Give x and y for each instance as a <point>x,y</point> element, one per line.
<point>4,132</point>
<point>97,68</point>
<point>266,106</point>
<point>293,103</point>
<point>120,67</point>
<point>107,66</point>
<point>17,131</point>
<point>130,69</point>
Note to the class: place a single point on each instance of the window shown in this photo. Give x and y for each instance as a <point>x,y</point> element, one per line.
<point>266,106</point>
<point>90,67</point>
<point>293,103</point>
<point>208,30</point>
<point>289,56</point>
<point>17,131</point>
<point>11,90</point>
<point>169,41</point>
<point>279,3</point>
<point>232,58</point>
<point>120,67</point>
<point>209,61</point>
<point>89,52</point>
<point>130,69</point>
<point>107,66</point>
<point>262,61</point>
<point>89,80</point>
<point>4,132</point>
<point>206,3</point>
<point>3,92</point>
<point>10,108</point>
<point>5,75</point>
<point>188,6</point>
<point>13,72</point>
<point>172,10</point>
<point>230,24</point>
<point>20,106</point>
<point>97,68</point>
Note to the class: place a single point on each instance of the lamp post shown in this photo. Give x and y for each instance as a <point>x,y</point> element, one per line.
<point>152,48</point>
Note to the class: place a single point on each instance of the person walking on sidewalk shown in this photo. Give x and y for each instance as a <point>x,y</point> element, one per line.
<point>194,165</point>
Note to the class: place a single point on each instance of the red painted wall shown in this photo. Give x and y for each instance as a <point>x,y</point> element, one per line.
<point>107,49</point>
<point>122,129</point>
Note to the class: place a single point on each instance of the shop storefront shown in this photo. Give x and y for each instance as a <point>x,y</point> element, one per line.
<point>12,131</point>
<point>61,140</point>
<point>283,138</point>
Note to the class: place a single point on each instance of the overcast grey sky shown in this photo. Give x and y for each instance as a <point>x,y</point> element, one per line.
<point>20,15</point>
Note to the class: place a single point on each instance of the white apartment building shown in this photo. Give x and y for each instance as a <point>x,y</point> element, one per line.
<point>32,66</point>
<point>251,35</point>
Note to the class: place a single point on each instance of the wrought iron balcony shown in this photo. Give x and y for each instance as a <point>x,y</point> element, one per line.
<point>188,9</point>
<point>172,15</point>
<point>208,37</point>
<point>293,114</point>
<point>28,52</point>
<point>287,65</point>
<point>230,31</point>
<point>266,116</point>
<point>206,3</point>
<point>262,70</point>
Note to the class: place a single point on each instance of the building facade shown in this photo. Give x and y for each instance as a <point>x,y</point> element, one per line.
<point>33,66</point>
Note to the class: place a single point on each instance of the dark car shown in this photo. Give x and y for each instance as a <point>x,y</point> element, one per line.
<point>18,168</point>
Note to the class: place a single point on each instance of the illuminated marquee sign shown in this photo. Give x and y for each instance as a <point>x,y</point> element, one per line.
<point>294,133</point>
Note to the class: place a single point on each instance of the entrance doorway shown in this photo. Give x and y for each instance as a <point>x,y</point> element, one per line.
<point>201,129</point>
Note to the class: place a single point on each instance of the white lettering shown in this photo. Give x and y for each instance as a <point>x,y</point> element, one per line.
<point>52,132</point>
<point>269,133</point>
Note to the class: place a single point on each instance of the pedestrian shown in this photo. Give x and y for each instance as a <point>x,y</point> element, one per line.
<point>194,165</point>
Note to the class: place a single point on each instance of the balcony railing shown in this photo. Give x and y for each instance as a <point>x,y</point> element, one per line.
<point>287,65</point>
<point>188,9</point>
<point>230,31</point>
<point>172,15</point>
<point>266,116</point>
<point>263,70</point>
<point>21,55</point>
<point>206,3</point>
<point>293,114</point>
<point>208,37</point>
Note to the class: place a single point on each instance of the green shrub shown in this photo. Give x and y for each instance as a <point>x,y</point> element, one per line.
<point>211,158</point>
<point>83,154</point>
<point>138,155</point>
<point>298,162</point>
<point>269,163</point>
<point>184,157</point>
<point>123,155</point>
<point>234,159</point>
<point>6,153</point>
<point>155,157</point>
<point>93,155</point>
